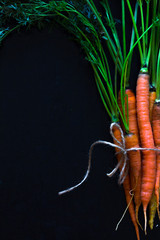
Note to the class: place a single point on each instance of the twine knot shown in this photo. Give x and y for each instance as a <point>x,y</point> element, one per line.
<point>123,161</point>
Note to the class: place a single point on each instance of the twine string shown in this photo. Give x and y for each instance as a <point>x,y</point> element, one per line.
<point>123,160</point>
<point>115,169</point>
<point>89,164</point>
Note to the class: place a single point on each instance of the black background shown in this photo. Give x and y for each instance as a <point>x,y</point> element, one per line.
<point>50,114</point>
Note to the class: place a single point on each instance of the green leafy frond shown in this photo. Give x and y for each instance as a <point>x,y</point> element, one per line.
<point>83,20</point>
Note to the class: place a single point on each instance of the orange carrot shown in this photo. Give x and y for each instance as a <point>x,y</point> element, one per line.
<point>132,140</point>
<point>134,157</point>
<point>153,201</point>
<point>134,169</point>
<point>130,100</point>
<point>132,115</point>
<point>152,98</point>
<point>156,134</point>
<point>126,184</point>
<point>146,138</point>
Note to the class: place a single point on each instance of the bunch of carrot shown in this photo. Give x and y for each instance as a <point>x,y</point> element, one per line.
<point>143,176</point>
<point>143,115</point>
<point>138,115</point>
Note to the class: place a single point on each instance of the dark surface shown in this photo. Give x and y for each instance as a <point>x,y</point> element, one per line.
<point>50,114</point>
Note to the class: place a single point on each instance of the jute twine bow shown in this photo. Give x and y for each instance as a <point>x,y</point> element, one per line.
<point>123,161</point>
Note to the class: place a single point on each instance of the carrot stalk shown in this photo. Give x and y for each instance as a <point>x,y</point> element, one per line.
<point>130,111</point>
<point>152,210</point>
<point>146,138</point>
<point>152,98</point>
<point>153,201</point>
<point>134,157</point>
<point>126,184</point>
<point>156,133</point>
<point>132,140</point>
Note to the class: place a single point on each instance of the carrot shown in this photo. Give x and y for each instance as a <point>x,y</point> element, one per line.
<point>152,210</point>
<point>132,115</point>
<point>134,169</point>
<point>156,134</point>
<point>126,184</point>
<point>152,98</point>
<point>132,140</point>
<point>153,201</point>
<point>132,137</point>
<point>130,101</point>
<point>146,138</point>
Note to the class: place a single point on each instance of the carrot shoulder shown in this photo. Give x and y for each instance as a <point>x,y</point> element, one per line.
<point>146,139</point>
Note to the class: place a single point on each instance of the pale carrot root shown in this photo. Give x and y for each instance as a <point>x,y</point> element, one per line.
<point>137,219</point>
<point>145,219</point>
<point>138,200</point>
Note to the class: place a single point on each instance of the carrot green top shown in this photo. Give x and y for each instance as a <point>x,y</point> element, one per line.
<point>92,31</point>
<point>148,41</point>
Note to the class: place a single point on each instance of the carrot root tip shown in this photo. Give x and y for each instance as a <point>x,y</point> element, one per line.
<point>145,221</point>
<point>137,210</point>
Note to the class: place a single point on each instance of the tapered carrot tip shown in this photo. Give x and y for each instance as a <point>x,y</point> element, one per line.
<point>145,220</point>
<point>137,210</point>
<point>158,212</point>
<point>157,196</point>
<point>158,207</point>
<point>137,232</point>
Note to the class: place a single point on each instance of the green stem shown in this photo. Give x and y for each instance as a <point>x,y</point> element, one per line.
<point>147,22</point>
<point>111,24</point>
<point>149,51</point>
<point>153,47</point>
<point>81,32</point>
<point>115,84</point>
<point>144,37</point>
<point>122,83</point>
<point>123,29</point>
<point>9,31</point>
<point>101,68</point>
<point>158,78</point>
<point>130,52</point>
<point>104,96</point>
<point>131,44</point>
<point>107,68</point>
<point>111,46</point>
<point>107,101</point>
<point>136,31</point>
